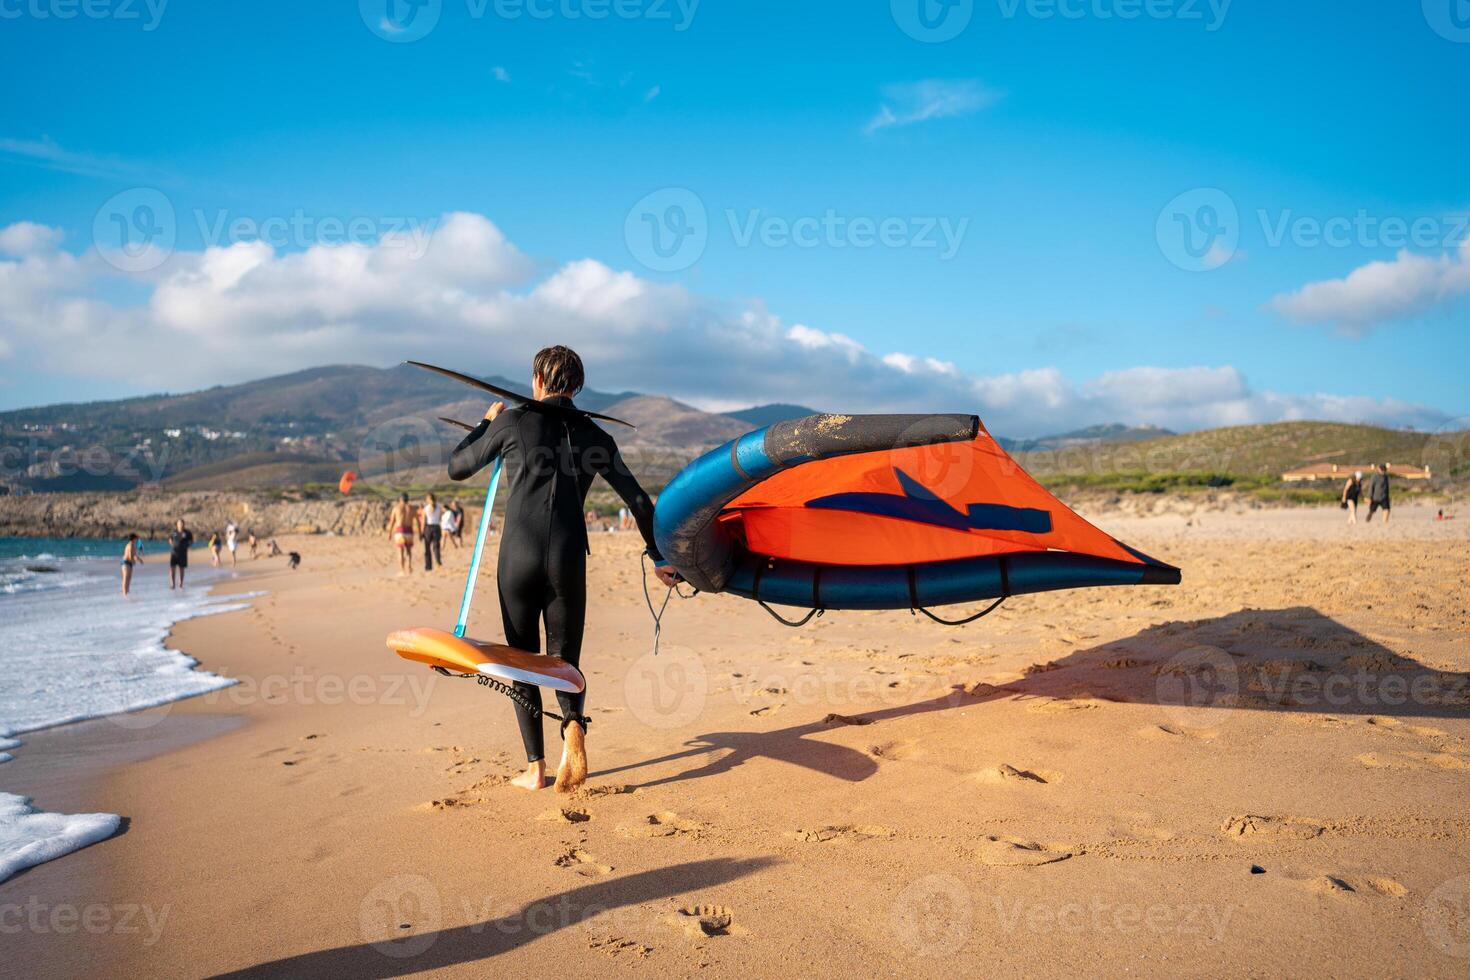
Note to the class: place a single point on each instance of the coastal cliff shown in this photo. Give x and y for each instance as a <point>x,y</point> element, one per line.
<point>152,515</point>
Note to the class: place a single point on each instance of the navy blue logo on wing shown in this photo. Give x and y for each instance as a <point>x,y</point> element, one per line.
<point>919,504</point>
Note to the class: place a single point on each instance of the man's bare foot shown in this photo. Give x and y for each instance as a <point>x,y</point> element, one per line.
<point>533,778</point>
<point>572,772</point>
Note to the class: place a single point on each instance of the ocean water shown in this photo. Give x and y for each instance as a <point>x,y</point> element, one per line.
<point>73,648</point>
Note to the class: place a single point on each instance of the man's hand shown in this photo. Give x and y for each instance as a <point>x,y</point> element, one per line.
<point>493,411</point>
<point>667,575</point>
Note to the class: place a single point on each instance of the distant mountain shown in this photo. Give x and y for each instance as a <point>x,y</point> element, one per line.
<point>763,415</point>
<point>1091,436</point>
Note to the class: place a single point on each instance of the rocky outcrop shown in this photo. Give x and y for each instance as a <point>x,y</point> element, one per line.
<point>152,515</point>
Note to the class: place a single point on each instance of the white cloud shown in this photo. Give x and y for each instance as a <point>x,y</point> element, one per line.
<point>501,74</point>
<point>904,105</point>
<point>1379,292</point>
<point>26,237</point>
<point>467,295</point>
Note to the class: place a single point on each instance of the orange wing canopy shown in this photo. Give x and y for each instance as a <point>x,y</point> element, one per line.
<point>880,512</point>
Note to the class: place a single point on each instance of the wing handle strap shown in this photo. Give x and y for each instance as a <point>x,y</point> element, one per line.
<point>1005,585</point>
<point>817,612</point>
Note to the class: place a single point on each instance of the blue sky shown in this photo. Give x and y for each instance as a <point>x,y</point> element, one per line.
<point>1033,267</point>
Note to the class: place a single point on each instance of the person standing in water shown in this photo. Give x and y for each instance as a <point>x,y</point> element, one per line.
<point>132,555</point>
<point>401,521</point>
<point>215,544</point>
<point>1378,494</point>
<point>179,543</point>
<point>1351,491</point>
<point>550,462</point>
<point>232,540</point>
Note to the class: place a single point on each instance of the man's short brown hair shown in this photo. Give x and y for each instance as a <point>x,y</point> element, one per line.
<point>560,370</point>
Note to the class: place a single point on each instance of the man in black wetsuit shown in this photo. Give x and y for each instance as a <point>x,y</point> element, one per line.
<point>550,461</point>
<point>179,543</point>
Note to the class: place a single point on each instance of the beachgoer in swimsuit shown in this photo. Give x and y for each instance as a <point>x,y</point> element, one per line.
<point>1351,491</point>
<point>400,531</point>
<point>132,554</point>
<point>179,543</point>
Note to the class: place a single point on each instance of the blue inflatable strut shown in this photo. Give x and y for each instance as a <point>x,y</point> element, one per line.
<point>469,582</point>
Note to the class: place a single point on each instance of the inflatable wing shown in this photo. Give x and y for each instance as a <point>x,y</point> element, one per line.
<point>880,512</point>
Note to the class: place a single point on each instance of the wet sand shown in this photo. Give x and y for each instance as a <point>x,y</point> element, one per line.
<point>1263,771</point>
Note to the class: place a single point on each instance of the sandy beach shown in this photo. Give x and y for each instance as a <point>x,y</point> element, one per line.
<point>1264,771</point>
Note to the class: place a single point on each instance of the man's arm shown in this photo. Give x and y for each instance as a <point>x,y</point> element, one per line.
<point>481,447</point>
<point>622,480</point>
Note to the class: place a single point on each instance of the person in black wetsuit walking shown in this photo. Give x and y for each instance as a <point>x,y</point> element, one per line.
<point>550,461</point>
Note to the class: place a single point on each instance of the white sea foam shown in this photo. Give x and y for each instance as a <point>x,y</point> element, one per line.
<point>29,837</point>
<point>72,648</point>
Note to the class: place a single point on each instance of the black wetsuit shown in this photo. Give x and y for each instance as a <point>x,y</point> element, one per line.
<point>550,463</point>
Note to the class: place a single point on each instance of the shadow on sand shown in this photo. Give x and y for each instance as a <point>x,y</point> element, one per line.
<point>1286,660</point>
<point>492,937</point>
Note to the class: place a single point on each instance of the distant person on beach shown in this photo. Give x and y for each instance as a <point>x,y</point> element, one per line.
<point>132,555</point>
<point>179,543</point>
<point>232,540</point>
<point>254,545</point>
<point>401,520</point>
<point>459,520</point>
<point>215,544</point>
<point>275,549</point>
<point>1378,493</point>
<point>450,525</point>
<point>1351,491</point>
<point>431,520</point>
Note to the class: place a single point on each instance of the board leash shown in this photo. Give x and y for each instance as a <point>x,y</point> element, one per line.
<point>469,582</point>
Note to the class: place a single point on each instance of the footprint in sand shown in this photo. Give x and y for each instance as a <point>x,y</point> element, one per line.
<point>1013,852</point>
<point>564,815</point>
<point>662,824</point>
<point>617,946</point>
<point>1277,828</point>
<point>1005,773</point>
<point>894,751</point>
<point>469,796</point>
<point>836,719</point>
<point>1170,732</point>
<point>858,832</point>
<point>1413,760</point>
<point>596,792</point>
<point>769,709</point>
<point>583,863</point>
<point>1344,885</point>
<point>706,921</point>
